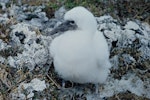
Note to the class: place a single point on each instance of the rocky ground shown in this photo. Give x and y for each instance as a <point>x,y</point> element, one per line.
<point>26,68</point>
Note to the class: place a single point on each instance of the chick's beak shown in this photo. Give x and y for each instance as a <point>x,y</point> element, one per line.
<point>64,26</point>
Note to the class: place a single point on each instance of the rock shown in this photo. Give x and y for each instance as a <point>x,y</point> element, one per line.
<point>59,14</point>
<point>3,3</point>
<point>28,47</point>
<point>36,84</point>
<point>18,96</point>
<point>132,25</point>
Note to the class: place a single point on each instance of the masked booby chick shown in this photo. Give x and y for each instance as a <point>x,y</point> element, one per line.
<point>81,52</point>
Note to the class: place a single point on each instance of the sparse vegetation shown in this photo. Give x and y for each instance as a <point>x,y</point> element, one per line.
<point>120,9</point>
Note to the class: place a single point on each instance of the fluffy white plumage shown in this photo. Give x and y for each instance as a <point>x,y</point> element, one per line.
<point>81,55</point>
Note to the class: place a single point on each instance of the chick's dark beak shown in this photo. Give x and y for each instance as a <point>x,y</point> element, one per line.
<point>65,26</point>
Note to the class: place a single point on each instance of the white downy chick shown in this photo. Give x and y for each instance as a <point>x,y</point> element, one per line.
<point>81,52</point>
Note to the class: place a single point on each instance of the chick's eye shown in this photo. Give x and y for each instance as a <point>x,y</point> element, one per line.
<point>72,22</point>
